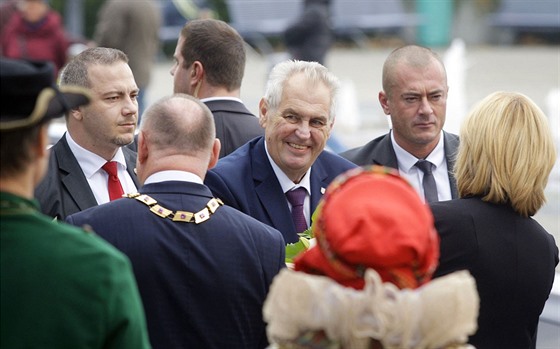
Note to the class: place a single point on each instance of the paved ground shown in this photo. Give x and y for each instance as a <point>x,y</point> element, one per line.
<point>474,72</point>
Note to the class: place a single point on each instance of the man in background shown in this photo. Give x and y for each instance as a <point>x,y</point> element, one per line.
<point>415,96</point>
<point>132,27</point>
<point>209,65</point>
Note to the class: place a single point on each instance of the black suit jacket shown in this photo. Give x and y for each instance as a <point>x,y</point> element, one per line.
<point>65,189</point>
<point>235,124</point>
<point>202,285</point>
<point>512,259</point>
<point>380,152</point>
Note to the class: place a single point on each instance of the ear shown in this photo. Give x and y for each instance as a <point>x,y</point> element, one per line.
<point>42,142</point>
<point>76,114</point>
<point>384,101</point>
<point>214,157</point>
<point>263,111</point>
<point>331,126</point>
<point>142,149</point>
<point>197,72</point>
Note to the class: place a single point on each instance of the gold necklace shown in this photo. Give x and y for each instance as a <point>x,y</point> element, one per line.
<point>178,216</point>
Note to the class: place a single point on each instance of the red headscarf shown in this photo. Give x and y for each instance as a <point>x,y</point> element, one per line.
<point>372,218</point>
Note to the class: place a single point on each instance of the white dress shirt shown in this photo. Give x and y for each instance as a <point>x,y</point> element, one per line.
<point>287,185</point>
<point>414,175</point>
<point>97,178</point>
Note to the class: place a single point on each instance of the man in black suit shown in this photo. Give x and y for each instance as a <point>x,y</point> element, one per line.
<point>203,269</point>
<point>97,134</point>
<point>415,96</point>
<point>209,64</point>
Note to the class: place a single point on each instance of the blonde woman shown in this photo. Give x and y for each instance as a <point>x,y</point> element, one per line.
<point>503,163</point>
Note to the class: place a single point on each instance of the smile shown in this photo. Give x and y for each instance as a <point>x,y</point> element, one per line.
<point>297,146</point>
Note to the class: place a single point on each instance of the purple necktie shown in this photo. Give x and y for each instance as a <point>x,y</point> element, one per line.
<point>296,197</point>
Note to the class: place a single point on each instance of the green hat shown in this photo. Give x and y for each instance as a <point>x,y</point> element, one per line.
<point>28,94</point>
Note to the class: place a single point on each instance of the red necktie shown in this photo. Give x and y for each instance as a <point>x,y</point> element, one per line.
<point>296,197</point>
<point>114,184</point>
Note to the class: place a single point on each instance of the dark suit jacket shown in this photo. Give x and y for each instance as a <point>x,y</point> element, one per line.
<point>235,124</point>
<point>65,189</point>
<point>202,285</point>
<point>245,180</point>
<point>380,152</point>
<point>512,259</point>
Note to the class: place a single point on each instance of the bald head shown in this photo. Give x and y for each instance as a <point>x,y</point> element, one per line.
<point>177,133</point>
<point>179,123</point>
<point>411,55</point>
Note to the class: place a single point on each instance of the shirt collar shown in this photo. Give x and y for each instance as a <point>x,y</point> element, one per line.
<point>406,161</point>
<point>209,99</point>
<point>89,161</point>
<point>170,175</point>
<point>286,183</point>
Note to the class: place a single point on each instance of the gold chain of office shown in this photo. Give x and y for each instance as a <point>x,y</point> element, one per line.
<point>178,216</point>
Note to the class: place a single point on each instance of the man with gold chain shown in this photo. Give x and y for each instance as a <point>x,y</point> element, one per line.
<point>203,269</point>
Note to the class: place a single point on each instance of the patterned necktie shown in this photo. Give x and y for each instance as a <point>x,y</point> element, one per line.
<point>429,183</point>
<point>113,184</point>
<point>296,197</point>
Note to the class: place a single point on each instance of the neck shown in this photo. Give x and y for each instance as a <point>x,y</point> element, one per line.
<point>217,91</point>
<point>20,186</point>
<point>173,163</point>
<point>107,152</point>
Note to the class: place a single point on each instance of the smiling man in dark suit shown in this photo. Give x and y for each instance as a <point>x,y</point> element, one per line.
<point>209,64</point>
<point>97,134</point>
<point>297,112</point>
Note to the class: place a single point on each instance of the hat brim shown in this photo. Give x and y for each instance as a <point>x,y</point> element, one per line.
<point>51,103</point>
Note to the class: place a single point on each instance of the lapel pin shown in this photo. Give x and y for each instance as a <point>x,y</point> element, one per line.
<point>323,190</point>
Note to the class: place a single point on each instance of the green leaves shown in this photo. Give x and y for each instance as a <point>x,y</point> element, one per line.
<point>294,249</point>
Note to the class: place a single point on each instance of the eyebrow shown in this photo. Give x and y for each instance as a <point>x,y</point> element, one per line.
<point>294,112</point>
<point>414,94</point>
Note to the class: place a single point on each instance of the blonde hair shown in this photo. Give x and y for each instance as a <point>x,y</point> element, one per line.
<point>506,152</point>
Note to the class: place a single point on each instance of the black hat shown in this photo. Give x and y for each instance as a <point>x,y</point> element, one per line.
<point>28,94</point>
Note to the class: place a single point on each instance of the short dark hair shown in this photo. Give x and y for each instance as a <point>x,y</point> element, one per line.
<point>219,48</point>
<point>15,149</point>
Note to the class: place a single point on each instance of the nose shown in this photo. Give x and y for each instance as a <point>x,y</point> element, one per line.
<point>303,130</point>
<point>426,107</point>
<point>131,106</point>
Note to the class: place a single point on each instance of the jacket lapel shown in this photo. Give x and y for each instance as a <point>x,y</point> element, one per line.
<point>384,154</point>
<point>269,191</point>
<point>73,178</point>
<point>450,146</point>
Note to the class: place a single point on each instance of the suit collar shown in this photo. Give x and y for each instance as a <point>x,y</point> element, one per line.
<point>450,145</point>
<point>176,187</point>
<point>268,188</point>
<point>384,153</point>
<point>72,176</point>
<point>227,105</point>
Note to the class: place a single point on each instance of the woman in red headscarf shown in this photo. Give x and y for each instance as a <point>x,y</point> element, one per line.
<point>365,284</point>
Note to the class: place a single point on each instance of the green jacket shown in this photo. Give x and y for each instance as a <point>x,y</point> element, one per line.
<point>62,287</point>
